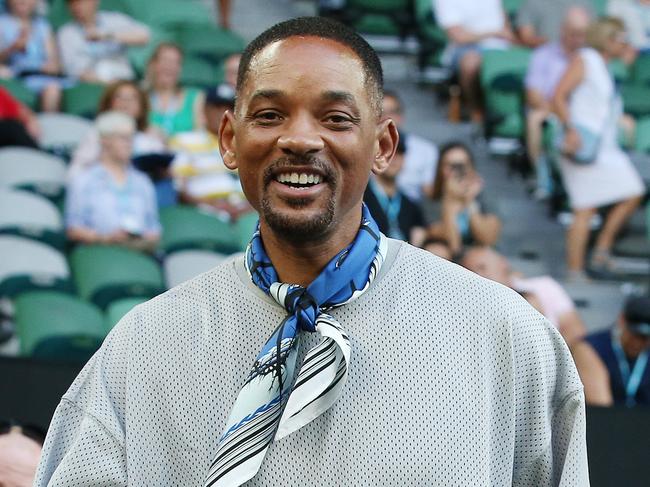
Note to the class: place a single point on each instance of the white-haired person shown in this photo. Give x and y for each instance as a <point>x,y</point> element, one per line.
<point>111,202</point>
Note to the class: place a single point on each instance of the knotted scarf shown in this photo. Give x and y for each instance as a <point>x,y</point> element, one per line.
<point>270,405</point>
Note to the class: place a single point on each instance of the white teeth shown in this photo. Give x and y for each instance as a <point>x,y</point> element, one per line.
<point>295,178</point>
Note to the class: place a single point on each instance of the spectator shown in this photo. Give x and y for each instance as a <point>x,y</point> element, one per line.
<point>460,215</point>
<point>546,68</point>
<point>20,451</point>
<point>472,26</point>
<point>438,247</point>
<point>586,98</point>
<point>18,124</point>
<point>198,169</point>
<point>126,97</point>
<point>542,22</point>
<point>613,363</point>
<point>543,292</point>
<point>231,66</point>
<point>111,202</point>
<point>635,14</point>
<point>173,109</point>
<point>94,45</point>
<point>415,179</point>
<point>28,48</point>
<point>396,215</point>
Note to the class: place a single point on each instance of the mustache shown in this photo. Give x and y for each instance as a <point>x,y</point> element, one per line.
<point>287,162</point>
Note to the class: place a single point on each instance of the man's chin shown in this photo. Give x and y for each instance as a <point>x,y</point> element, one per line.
<point>299,224</point>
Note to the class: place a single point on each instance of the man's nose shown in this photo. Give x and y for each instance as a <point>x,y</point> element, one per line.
<point>301,137</point>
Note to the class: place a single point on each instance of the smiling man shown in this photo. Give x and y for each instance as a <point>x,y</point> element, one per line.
<point>328,354</point>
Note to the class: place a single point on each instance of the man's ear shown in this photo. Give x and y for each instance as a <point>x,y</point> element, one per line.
<point>227,140</point>
<point>385,145</point>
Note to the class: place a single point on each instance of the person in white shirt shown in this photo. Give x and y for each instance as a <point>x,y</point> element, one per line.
<point>94,45</point>
<point>416,177</point>
<point>471,27</point>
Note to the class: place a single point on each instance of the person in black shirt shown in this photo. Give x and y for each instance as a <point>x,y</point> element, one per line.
<point>396,215</point>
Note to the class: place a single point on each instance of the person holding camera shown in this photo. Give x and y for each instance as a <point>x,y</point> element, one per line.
<point>460,215</point>
<point>595,170</point>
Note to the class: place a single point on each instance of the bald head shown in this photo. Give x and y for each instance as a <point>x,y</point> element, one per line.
<point>574,28</point>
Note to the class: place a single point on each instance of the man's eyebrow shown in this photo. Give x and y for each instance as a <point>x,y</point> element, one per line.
<point>341,96</point>
<point>266,94</point>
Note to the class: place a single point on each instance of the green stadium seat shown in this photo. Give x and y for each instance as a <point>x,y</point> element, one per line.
<point>20,92</point>
<point>186,227</point>
<point>82,99</point>
<point>117,309</point>
<point>53,325</point>
<point>171,13</point>
<point>31,216</point>
<point>380,17</point>
<point>27,264</point>
<point>432,38</point>
<point>34,170</point>
<point>642,137</point>
<point>641,70</point>
<point>246,225</point>
<point>104,274</point>
<point>619,70</point>
<point>208,41</point>
<point>636,101</point>
<point>502,75</point>
<point>201,73</point>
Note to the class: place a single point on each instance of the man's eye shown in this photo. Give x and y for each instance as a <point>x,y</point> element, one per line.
<point>267,116</point>
<point>338,121</point>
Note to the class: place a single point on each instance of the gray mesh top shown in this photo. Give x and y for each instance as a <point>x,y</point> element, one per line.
<point>454,381</point>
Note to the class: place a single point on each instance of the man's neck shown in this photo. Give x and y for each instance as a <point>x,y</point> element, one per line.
<point>302,262</point>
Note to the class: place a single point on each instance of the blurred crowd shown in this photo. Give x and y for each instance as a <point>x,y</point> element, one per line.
<point>154,144</point>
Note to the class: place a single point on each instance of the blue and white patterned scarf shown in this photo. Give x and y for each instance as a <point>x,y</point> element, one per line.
<point>268,406</point>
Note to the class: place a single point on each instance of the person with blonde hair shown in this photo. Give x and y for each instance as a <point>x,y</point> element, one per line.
<point>595,170</point>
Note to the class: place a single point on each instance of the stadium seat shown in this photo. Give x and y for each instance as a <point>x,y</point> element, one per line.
<point>246,225</point>
<point>200,72</point>
<point>171,13</point>
<point>641,70</point>
<point>185,227</point>
<point>31,216</point>
<point>117,309</point>
<point>62,131</point>
<point>633,246</point>
<point>432,39</point>
<point>104,274</point>
<point>82,99</point>
<point>635,99</point>
<point>20,93</point>
<point>186,264</point>
<point>642,136</point>
<point>380,17</point>
<point>209,41</point>
<point>31,169</point>
<point>53,325</point>
<point>502,75</point>
<point>27,264</point>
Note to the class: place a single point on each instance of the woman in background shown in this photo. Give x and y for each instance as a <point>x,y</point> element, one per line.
<point>126,97</point>
<point>174,109</point>
<point>460,216</point>
<point>586,97</point>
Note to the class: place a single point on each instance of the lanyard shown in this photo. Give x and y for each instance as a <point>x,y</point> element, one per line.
<point>631,380</point>
<point>391,207</point>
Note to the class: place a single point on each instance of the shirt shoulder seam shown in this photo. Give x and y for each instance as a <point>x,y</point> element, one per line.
<point>121,445</point>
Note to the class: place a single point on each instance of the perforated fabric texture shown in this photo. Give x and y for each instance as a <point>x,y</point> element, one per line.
<point>454,381</point>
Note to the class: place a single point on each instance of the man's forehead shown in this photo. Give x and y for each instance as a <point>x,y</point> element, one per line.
<point>303,57</point>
